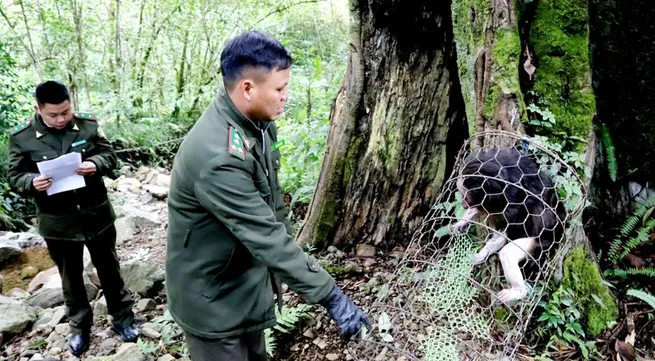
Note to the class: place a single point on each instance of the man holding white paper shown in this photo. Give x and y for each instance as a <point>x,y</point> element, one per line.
<point>58,158</point>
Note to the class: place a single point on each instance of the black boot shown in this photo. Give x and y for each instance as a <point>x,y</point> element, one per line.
<point>128,333</point>
<point>79,343</point>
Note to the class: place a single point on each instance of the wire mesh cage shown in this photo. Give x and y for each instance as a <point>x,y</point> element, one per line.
<point>469,284</point>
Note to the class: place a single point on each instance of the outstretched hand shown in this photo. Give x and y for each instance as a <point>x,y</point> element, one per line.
<point>345,314</point>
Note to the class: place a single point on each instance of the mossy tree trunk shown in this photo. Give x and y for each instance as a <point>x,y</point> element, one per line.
<point>488,56</point>
<point>396,126</point>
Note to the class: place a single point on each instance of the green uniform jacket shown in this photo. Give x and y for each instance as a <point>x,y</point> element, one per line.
<point>226,235</point>
<point>74,215</point>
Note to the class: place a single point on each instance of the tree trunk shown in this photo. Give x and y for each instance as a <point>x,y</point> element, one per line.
<point>180,74</point>
<point>81,69</point>
<point>488,55</point>
<point>395,126</point>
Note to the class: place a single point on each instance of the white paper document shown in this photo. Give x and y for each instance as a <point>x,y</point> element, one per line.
<point>63,172</point>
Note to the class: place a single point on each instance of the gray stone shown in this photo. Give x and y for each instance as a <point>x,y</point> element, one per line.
<point>125,185</point>
<point>145,304</point>
<point>40,279</point>
<point>51,317</point>
<point>63,329</point>
<point>107,347</point>
<point>54,337</point>
<point>125,230</point>
<point>16,315</point>
<point>60,344</point>
<point>22,239</point>
<point>51,294</point>
<point>37,357</point>
<point>166,357</point>
<point>129,352</point>
<point>56,351</point>
<point>150,333</point>
<point>153,326</point>
<point>100,308</point>
<point>17,293</point>
<point>9,250</point>
<point>158,192</point>
<point>144,279</point>
<point>163,180</point>
<point>365,250</point>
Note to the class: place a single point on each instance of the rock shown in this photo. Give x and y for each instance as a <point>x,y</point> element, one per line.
<point>309,333</point>
<point>129,352</point>
<point>126,170</point>
<point>107,347</point>
<point>55,351</point>
<point>320,343</point>
<point>51,317</point>
<point>37,357</point>
<point>158,192</point>
<point>332,356</point>
<point>60,344</point>
<point>17,293</point>
<point>150,333</point>
<point>365,250</point>
<point>369,262</point>
<point>29,272</point>
<point>140,215</point>
<point>9,250</point>
<point>63,329</point>
<point>51,294</point>
<point>16,316</point>
<point>151,326</point>
<point>100,308</point>
<point>41,279</point>
<point>163,180</point>
<point>54,337</point>
<point>146,280</point>
<point>125,185</point>
<point>22,239</point>
<point>166,358</point>
<point>125,230</point>
<point>145,304</point>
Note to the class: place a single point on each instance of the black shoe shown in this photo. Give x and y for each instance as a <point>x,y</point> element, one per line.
<point>127,333</point>
<point>79,343</point>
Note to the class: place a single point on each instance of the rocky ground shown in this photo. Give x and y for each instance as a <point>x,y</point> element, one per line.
<point>33,323</point>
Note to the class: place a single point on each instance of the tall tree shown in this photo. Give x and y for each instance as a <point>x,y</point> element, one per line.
<point>395,125</point>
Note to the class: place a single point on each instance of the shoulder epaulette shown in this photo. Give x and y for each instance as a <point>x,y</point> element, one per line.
<point>85,116</point>
<point>19,128</point>
<point>235,145</point>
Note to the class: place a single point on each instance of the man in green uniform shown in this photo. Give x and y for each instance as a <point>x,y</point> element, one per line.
<point>71,219</point>
<point>228,244</point>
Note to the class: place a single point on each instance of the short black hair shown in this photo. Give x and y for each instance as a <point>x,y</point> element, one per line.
<point>252,49</point>
<point>51,92</point>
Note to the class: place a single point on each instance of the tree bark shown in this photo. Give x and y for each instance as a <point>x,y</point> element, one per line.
<point>395,126</point>
<point>488,54</point>
<point>180,74</point>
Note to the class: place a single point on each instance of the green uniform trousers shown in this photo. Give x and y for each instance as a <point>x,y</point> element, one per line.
<point>68,255</point>
<point>250,346</point>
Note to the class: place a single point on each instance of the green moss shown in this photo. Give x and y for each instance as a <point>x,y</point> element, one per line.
<point>560,38</point>
<point>339,270</point>
<point>469,24</point>
<point>582,277</point>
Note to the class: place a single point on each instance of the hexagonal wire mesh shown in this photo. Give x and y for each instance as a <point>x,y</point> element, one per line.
<point>439,306</point>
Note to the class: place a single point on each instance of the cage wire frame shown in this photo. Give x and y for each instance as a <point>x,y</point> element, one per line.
<point>438,306</point>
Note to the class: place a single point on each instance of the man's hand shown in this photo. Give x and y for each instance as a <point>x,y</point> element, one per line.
<point>343,311</point>
<point>86,168</point>
<point>42,183</point>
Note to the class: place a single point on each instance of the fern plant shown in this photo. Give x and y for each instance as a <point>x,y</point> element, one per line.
<point>612,165</point>
<point>649,298</point>
<point>627,243</point>
<point>287,321</point>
